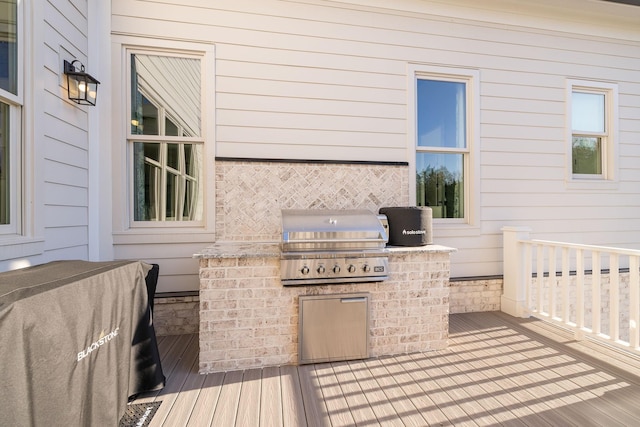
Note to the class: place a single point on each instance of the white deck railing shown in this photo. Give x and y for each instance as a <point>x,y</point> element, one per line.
<point>593,290</point>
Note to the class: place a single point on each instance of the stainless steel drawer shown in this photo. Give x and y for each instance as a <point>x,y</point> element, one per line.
<point>333,327</point>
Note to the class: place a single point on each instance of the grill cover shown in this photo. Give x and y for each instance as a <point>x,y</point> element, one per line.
<point>409,225</point>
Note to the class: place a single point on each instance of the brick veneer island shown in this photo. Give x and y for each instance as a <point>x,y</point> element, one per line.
<point>249,320</point>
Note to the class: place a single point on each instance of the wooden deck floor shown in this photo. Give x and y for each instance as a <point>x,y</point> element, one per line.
<point>497,371</point>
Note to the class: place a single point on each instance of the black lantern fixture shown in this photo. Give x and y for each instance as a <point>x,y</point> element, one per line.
<point>82,87</point>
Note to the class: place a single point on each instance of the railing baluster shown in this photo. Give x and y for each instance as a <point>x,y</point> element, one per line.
<point>634,302</point>
<point>540,278</point>
<point>579,291</point>
<point>565,285</point>
<point>528,273</point>
<point>614,297</point>
<point>596,321</point>
<point>552,282</point>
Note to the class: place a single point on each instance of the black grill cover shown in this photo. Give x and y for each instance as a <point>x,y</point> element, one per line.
<point>409,225</point>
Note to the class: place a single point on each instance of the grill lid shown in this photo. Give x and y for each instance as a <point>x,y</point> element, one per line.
<point>358,229</point>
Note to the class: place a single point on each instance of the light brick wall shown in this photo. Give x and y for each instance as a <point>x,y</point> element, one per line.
<point>470,296</point>
<point>251,194</point>
<point>176,315</point>
<point>249,320</point>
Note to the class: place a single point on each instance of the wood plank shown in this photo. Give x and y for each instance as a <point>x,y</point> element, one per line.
<point>227,407</point>
<point>185,401</point>
<point>428,382</point>
<point>474,388</point>
<point>249,403</point>
<point>354,396</point>
<point>406,410</point>
<point>186,365</point>
<point>497,370</point>
<point>403,371</point>
<point>493,390</point>
<point>380,405</point>
<point>537,379</point>
<point>169,358</point>
<point>480,354</point>
<point>593,385</point>
<point>337,407</point>
<point>271,407</point>
<point>314,405</point>
<point>552,367</point>
<point>202,414</point>
<point>293,410</point>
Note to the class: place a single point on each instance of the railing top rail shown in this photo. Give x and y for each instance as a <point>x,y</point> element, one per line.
<point>594,248</point>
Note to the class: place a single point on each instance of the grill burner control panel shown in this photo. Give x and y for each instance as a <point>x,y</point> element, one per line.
<point>333,270</point>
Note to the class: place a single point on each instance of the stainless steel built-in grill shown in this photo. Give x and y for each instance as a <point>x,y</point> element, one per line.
<point>333,246</point>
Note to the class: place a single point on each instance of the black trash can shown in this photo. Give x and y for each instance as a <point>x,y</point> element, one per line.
<point>409,225</point>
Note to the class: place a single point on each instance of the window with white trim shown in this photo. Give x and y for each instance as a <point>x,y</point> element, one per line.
<point>165,138</point>
<point>592,118</point>
<point>10,116</point>
<point>445,126</point>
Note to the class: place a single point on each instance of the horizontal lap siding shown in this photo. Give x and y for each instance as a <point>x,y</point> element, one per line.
<point>328,81</point>
<point>62,147</point>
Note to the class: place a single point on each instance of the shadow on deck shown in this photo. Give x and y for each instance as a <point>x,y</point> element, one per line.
<point>498,370</point>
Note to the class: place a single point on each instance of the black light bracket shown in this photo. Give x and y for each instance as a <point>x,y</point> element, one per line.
<point>82,87</point>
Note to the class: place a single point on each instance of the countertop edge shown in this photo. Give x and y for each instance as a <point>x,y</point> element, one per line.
<point>225,250</point>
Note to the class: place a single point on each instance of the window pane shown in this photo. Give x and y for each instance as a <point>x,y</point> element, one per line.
<point>9,46</point>
<point>170,128</point>
<point>151,151</point>
<point>441,114</point>
<point>5,184</point>
<point>587,112</point>
<point>587,155</point>
<point>171,85</point>
<point>190,197</point>
<point>149,118</point>
<point>173,156</point>
<point>172,197</point>
<point>440,184</point>
<point>190,164</point>
<point>147,182</point>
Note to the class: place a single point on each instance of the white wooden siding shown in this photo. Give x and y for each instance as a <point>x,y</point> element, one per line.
<point>327,80</point>
<point>61,208</point>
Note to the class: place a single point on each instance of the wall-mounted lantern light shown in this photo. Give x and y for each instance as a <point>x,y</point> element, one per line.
<point>82,87</point>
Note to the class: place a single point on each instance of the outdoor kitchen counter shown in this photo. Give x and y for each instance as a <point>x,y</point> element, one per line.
<point>248,319</point>
<point>224,250</point>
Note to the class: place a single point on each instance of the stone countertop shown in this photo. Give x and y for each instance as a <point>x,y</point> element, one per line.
<point>426,248</point>
<point>272,250</point>
<point>240,250</point>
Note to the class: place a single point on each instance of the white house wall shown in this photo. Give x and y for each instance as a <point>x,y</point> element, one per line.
<point>54,190</point>
<point>318,80</point>
<point>66,142</point>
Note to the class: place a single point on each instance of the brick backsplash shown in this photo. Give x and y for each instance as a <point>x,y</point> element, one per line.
<point>251,194</point>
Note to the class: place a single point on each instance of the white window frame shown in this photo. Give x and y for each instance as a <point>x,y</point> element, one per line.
<point>24,236</point>
<point>609,139</point>
<point>163,140</point>
<point>471,79</point>
<point>125,229</point>
<point>15,103</point>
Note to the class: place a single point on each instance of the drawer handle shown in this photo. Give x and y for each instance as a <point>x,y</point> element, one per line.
<point>354,299</point>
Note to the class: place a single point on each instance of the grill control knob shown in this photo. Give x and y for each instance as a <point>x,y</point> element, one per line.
<point>351,268</point>
<point>321,269</point>
<point>366,268</point>
<point>305,270</point>
<point>336,269</point>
